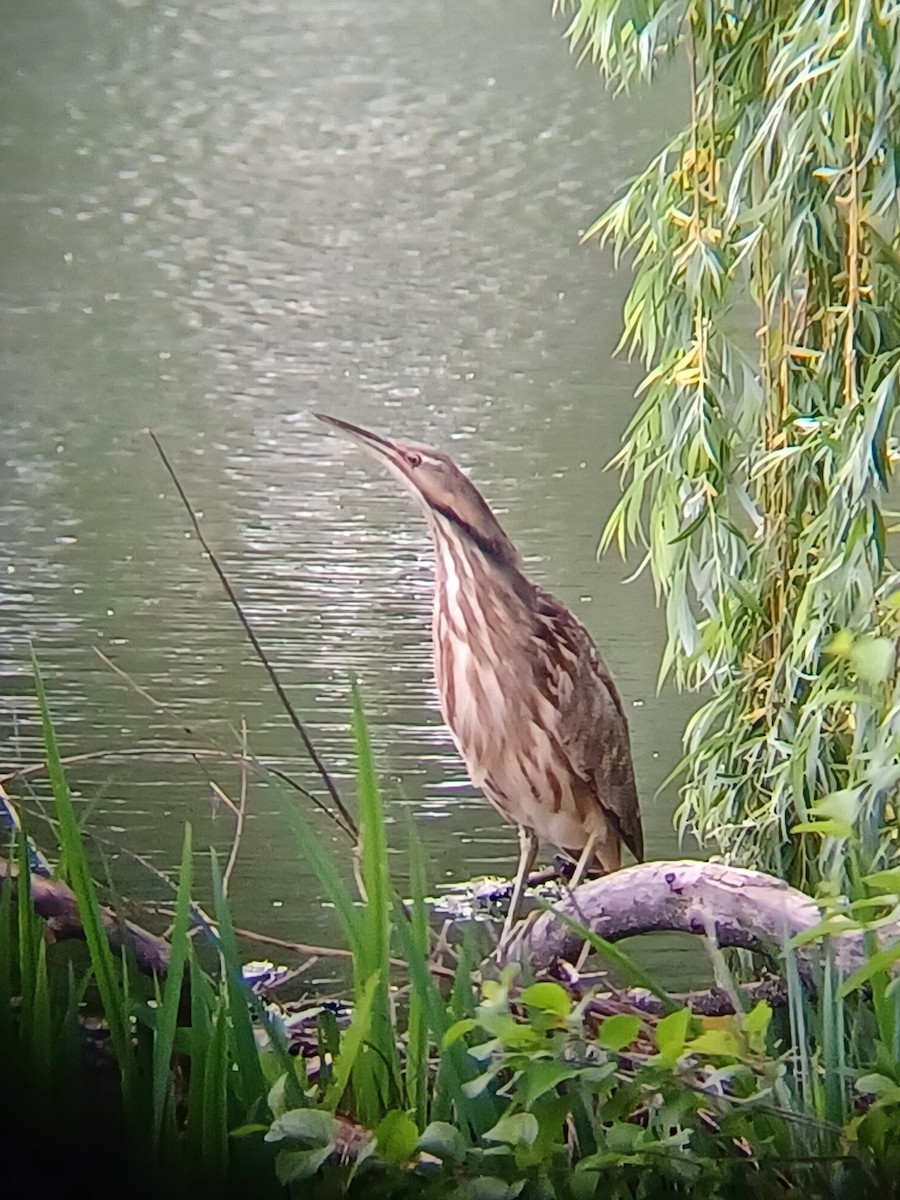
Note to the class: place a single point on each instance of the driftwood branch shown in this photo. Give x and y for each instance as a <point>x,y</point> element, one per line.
<point>733,906</point>
<point>55,902</point>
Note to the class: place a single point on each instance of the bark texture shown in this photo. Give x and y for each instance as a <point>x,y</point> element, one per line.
<point>55,902</point>
<point>732,905</point>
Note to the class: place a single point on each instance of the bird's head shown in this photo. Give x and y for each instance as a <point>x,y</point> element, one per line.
<point>445,494</point>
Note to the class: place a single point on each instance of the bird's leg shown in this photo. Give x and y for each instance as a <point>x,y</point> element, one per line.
<point>584,862</point>
<point>580,871</point>
<point>528,848</point>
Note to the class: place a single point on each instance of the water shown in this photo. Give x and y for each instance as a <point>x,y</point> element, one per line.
<point>217,219</point>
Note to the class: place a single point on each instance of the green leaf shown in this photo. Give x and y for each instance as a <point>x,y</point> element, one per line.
<point>474,1087</point>
<point>758,1018</point>
<point>514,1129</point>
<point>842,807</point>
<point>624,1137</point>
<point>311,1125</point>
<point>291,1165</point>
<point>583,1184</point>
<point>444,1141</point>
<point>248,1130</point>
<point>549,997</point>
<point>457,1030</point>
<point>841,645</point>
<point>396,1137</point>
<point>489,1187</point>
<point>886,1091</point>
<point>835,829</point>
<point>878,961</point>
<point>540,1076</point>
<point>671,1034</point>
<point>885,881</point>
<point>618,1031</point>
<point>873,658</point>
<point>277,1097</point>
<point>716,1042</point>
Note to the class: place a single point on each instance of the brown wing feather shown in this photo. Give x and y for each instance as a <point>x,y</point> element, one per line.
<point>593,728</point>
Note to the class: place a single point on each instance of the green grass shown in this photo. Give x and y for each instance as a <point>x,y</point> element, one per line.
<point>506,1089</point>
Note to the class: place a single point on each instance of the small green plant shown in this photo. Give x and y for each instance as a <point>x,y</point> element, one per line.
<point>477,1086</point>
<point>176,1087</point>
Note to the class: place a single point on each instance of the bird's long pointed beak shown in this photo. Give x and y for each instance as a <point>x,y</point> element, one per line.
<point>379,446</point>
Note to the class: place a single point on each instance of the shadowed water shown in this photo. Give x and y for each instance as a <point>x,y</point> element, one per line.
<point>217,219</point>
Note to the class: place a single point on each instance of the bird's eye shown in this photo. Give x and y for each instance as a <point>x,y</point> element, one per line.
<point>413,459</point>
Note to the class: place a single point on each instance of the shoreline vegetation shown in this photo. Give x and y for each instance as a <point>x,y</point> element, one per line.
<point>475,1079</point>
<point>755,484</point>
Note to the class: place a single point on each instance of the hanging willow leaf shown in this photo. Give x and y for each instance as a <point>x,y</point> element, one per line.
<point>766,305</point>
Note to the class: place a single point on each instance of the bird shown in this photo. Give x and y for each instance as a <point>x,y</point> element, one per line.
<point>529,702</point>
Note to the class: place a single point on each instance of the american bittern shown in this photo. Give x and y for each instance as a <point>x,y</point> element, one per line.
<point>529,702</point>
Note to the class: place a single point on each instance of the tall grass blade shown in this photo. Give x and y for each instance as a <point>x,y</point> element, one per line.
<point>474,1114</point>
<point>352,1044</point>
<point>463,1000</point>
<point>214,1100</point>
<point>634,974</point>
<point>43,1056</point>
<point>27,936</point>
<point>330,881</point>
<point>797,1012</point>
<point>72,850</point>
<point>7,950</point>
<point>831,1012</point>
<point>250,1080</point>
<point>203,1001</point>
<point>417,1022</point>
<point>70,1031</point>
<point>167,1013</point>
<point>374,960</point>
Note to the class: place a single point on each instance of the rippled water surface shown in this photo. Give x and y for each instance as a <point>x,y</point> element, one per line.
<point>217,218</point>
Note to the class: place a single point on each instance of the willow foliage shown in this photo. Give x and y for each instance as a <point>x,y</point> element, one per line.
<point>766,306</point>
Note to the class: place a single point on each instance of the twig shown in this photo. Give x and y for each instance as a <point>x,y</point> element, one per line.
<point>31,770</point>
<point>239,812</point>
<point>267,939</point>
<point>163,706</point>
<point>222,796</point>
<point>345,821</point>
<point>331,952</point>
<point>132,683</point>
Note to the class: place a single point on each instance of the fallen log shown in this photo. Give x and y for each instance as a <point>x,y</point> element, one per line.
<point>55,902</point>
<point>734,906</point>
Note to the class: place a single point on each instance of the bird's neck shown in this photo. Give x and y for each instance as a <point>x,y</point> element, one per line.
<point>487,539</point>
<point>469,573</point>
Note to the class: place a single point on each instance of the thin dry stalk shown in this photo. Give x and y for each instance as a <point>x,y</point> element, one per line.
<point>344,820</point>
<point>239,812</point>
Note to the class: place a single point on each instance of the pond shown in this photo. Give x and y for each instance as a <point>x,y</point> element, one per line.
<point>216,220</point>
